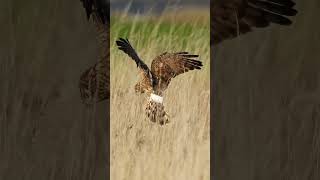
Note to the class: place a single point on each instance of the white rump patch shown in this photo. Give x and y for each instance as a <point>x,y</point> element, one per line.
<point>156,98</point>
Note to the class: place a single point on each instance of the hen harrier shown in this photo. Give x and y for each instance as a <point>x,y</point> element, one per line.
<point>229,19</point>
<point>155,81</point>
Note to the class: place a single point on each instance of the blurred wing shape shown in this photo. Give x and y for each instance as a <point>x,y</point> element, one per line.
<point>125,46</point>
<point>94,82</point>
<point>169,65</point>
<point>100,7</point>
<point>230,18</point>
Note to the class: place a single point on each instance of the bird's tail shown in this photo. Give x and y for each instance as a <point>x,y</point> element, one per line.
<point>156,113</point>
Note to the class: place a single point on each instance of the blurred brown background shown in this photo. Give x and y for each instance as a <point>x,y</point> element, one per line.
<point>45,131</point>
<point>266,102</point>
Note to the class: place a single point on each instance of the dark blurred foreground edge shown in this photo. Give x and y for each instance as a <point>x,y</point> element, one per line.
<point>99,12</point>
<point>45,130</point>
<point>265,101</point>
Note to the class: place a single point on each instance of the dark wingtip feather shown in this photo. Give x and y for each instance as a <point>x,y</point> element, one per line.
<point>122,43</point>
<point>287,3</point>
<point>278,19</point>
<point>276,8</point>
<point>275,11</point>
<point>182,52</point>
<point>193,64</point>
<point>190,55</point>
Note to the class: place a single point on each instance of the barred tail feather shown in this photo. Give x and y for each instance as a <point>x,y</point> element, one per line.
<point>156,113</point>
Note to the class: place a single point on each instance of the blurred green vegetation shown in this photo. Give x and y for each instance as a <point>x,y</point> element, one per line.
<point>162,31</point>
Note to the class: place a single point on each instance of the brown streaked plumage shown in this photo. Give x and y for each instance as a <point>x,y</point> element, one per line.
<point>163,68</point>
<point>156,113</point>
<point>94,82</point>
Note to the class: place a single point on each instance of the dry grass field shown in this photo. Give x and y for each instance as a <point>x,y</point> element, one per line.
<point>141,149</point>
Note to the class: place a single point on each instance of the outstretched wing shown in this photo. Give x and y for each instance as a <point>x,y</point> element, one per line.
<point>230,18</point>
<point>169,65</point>
<point>125,46</point>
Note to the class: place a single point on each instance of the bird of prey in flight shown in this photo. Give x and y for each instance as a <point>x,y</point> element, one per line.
<point>229,19</point>
<point>155,81</point>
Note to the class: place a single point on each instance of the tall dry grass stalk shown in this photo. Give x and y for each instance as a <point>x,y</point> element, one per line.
<point>141,149</point>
